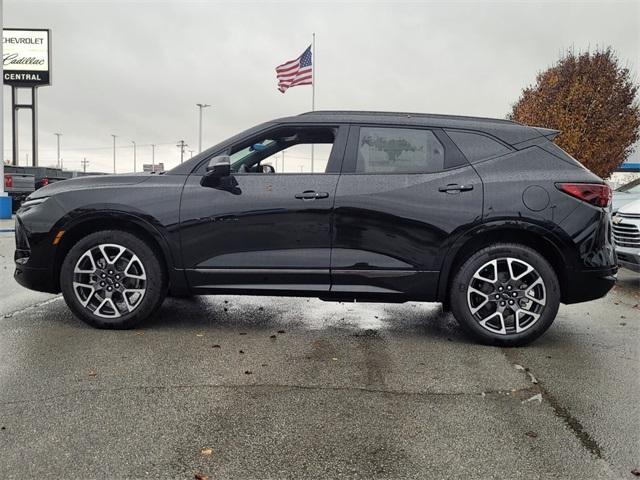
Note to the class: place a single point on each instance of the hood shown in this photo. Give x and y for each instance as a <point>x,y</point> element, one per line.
<point>82,183</point>
<point>620,199</point>
<point>631,208</point>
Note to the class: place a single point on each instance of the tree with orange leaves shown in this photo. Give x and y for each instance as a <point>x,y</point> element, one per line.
<point>592,100</point>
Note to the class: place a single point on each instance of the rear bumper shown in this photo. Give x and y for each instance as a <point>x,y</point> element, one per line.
<point>589,285</point>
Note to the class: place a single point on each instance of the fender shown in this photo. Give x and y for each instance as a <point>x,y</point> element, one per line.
<point>106,212</point>
<point>554,237</point>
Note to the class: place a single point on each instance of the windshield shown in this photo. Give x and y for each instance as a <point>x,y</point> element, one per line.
<point>631,187</point>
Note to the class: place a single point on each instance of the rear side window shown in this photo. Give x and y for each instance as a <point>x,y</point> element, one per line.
<point>477,147</point>
<point>398,150</point>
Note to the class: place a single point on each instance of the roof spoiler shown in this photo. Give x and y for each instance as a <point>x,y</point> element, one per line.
<point>549,133</point>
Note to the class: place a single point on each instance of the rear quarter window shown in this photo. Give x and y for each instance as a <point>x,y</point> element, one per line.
<point>476,146</point>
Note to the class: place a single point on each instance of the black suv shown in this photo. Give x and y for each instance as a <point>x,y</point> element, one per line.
<point>488,217</point>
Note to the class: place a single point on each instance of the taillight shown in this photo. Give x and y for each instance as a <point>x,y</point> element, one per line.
<point>45,182</point>
<point>597,194</point>
<point>8,181</point>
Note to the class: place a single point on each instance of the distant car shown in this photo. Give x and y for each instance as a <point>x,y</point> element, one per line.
<point>626,235</point>
<point>18,184</point>
<point>488,217</point>
<point>627,193</point>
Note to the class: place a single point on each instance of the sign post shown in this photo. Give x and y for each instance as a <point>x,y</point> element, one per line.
<point>26,59</point>
<point>5,200</point>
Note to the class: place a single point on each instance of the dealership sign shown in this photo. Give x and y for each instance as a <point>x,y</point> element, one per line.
<point>26,57</point>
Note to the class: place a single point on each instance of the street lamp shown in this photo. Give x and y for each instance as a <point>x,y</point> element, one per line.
<point>58,135</point>
<point>200,107</point>
<point>134,155</point>
<point>114,152</point>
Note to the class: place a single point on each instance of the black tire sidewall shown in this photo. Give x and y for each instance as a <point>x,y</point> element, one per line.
<point>156,279</point>
<point>463,277</point>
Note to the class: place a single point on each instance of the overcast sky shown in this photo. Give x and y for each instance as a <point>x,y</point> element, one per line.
<point>137,69</point>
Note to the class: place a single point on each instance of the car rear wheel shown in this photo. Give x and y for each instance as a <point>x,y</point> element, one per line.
<point>505,294</point>
<point>112,279</point>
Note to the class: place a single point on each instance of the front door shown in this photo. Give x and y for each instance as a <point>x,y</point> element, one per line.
<point>267,226</point>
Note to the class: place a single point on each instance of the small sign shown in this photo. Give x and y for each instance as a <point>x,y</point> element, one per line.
<point>26,57</point>
<point>157,168</point>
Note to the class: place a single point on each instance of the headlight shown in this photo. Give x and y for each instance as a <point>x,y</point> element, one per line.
<point>32,203</point>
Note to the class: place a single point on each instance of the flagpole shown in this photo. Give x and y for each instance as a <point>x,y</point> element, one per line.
<point>313,84</point>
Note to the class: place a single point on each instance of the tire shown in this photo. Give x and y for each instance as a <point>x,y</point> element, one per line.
<point>136,278</point>
<point>499,274</point>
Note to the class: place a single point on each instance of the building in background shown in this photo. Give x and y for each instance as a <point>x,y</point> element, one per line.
<point>628,171</point>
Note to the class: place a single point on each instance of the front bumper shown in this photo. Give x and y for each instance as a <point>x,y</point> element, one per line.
<point>33,273</point>
<point>38,279</point>
<point>629,257</point>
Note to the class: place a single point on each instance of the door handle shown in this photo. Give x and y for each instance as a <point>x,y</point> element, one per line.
<point>455,188</point>
<point>311,195</point>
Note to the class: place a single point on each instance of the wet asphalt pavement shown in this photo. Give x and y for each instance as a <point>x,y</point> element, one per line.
<point>254,387</point>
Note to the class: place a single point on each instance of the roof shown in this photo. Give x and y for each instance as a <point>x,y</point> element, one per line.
<point>508,131</point>
<point>387,116</point>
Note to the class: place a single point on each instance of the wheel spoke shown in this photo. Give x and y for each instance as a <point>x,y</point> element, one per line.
<point>522,312</point>
<point>531,292</point>
<point>494,265</point>
<point>86,255</point>
<point>510,262</point>
<point>107,301</point>
<point>127,300</point>
<point>105,255</point>
<point>485,300</point>
<point>503,328</point>
<point>77,285</point>
<point>134,260</point>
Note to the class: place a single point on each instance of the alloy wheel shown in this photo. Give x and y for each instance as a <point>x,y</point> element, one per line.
<point>109,280</point>
<point>506,296</point>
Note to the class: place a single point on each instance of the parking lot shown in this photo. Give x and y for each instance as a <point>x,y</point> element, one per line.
<point>255,387</point>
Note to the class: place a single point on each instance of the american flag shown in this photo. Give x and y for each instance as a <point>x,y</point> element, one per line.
<point>295,72</point>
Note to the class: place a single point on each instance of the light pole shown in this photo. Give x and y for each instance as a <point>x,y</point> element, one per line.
<point>134,155</point>
<point>153,158</point>
<point>191,153</point>
<point>114,152</point>
<point>58,139</point>
<point>200,107</point>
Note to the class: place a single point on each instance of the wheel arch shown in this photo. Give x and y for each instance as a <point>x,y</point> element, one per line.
<point>114,220</point>
<point>543,241</point>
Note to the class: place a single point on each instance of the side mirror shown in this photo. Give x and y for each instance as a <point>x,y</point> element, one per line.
<point>268,168</point>
<point>219,167</point>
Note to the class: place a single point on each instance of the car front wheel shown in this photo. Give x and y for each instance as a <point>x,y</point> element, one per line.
<point>112,279</point>
<point>505,294</point>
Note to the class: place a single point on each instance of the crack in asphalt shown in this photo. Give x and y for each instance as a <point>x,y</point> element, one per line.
<point>32,306</point>
<point>488,393</point>
<point>575,426</point>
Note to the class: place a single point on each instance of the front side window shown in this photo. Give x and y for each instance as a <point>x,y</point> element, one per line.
<point>286,150</point>
<point>477,147</point>
<point>398,150</point>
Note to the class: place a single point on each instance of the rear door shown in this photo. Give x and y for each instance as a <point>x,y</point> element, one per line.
<point>403,195</point>
<point>264,231</point>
